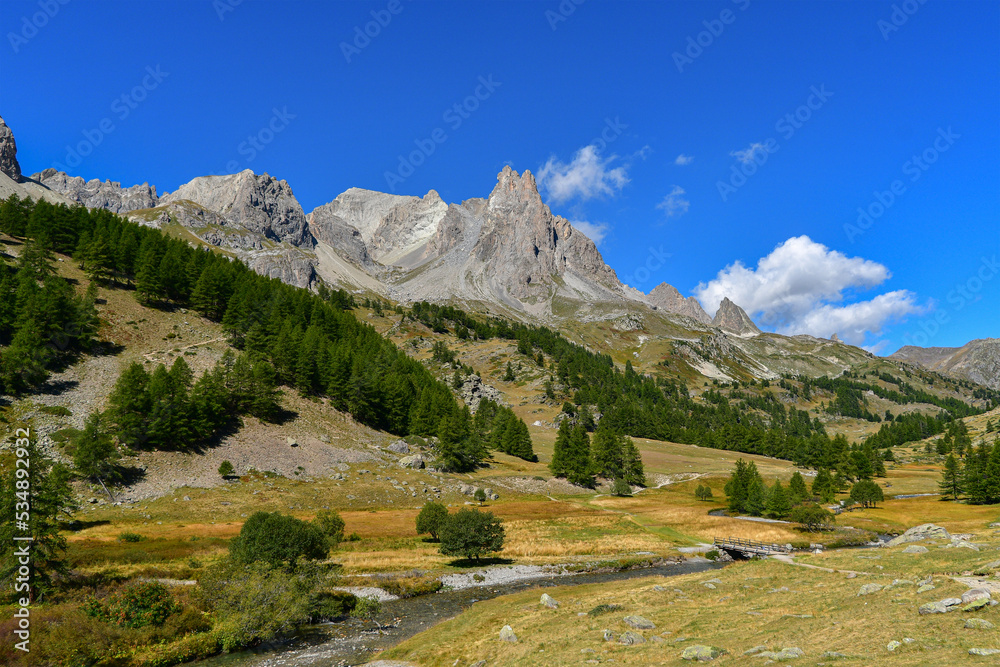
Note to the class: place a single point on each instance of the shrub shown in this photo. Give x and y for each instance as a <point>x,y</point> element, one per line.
<point>813,517</point>
<point>479,496</point>
<point>130,537</point>
<point>604,609</point>
<point>703,492</point>
<point>367,608</point>
<point>329,605</point>
<point>412,586</point>
<point>432,516</point>
<point>226,469</point>
<point>256,602</point>
<point>331,525</point>
<point>471,533</point>
<point>137,606</point>
<point>276,538</point>
<point>621,488</point>
<point>56,410</point>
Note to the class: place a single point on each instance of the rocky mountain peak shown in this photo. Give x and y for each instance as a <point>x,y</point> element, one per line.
<point>258,202</point>
<point>8,153</point>
<point>667,298</point>
<point>97,194</point>
<point>734,319</point>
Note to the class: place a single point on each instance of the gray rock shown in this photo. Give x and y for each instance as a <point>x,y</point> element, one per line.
<point>790,653</point>
<point>926,531</point>
<point>893,645</point>
<point>868,589</point>
<point>666,297</point>
<point>833,655</point>
<point>399,447</point>
<point>976,605</point>
<point>978,624</point>
<point>507,634</point>
<point>630,638</point>
<point>852,575</point>
<point>734,319</point>
<point>939,607</point>
<point>549,601</point>
<point>984,651</point>
<point>755,650</point>
<point>608,635</point>
<point>915,549</point>
<point>8,153</point>
<point>108,195</point>
<point>701,653</point>
<point>925,588</point>
<point>974,594</point>
<point>474,390</point>
<point>416,461</point>
<point>639,623</point>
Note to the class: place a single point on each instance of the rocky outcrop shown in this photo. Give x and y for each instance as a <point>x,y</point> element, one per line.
<point>667,298</point>
<point>99,194</point>
<point>8,153</point>
<point>473,391</point>
<point>733,319</point>
<point>260,204</point>
<point>977,360</point>
<point>925,531</point>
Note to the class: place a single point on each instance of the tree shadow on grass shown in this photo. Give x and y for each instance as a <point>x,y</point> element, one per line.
<point>482,562</point>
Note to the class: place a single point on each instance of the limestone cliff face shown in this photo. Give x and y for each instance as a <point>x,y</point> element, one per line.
<point>8,153</point>
<point>258,203</point>
<point>734,319</point>
<point>977,360</point>
<point>525,248</point>
<point>667,298</point>
<point>99,194</point>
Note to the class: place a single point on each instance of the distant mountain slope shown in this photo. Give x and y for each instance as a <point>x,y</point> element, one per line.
<point>978,360</point>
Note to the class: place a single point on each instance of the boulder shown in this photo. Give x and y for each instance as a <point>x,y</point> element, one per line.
<point>939,607</point>
<point>399,447</point>
<point>755,650</point>
<point>789,653</point>
<point>976,605</point>
<point>639,623</point>
<point>974,594</point>
<point>915,549</point>
<point>984,651</point>
<point>893,645</point>
<point>833,655</point>
<point>507,634</point>
<point>978,624</point>
<point>868,589</point>
<point>701,653</point>
<point>926,531</point>
<point>415,461</point>
<point>608,635</point>
<point>926,587</point>
<point>549,601</point>
<point>630,638</point>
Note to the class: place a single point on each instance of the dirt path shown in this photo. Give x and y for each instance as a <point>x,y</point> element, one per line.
<point>789,560</point>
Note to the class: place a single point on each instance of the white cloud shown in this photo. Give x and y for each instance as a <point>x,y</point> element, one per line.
<point>800,286</point>
<point>748,154</point>
<point>683,160</point>
<point>674,203</point>
<point>595,231</point>
<point>585,177</point>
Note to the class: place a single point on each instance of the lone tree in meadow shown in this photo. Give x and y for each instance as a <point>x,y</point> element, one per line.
<point>866,493</point>
<point>703,492</point>
<point>951,478</point>
<point>276,539</point>
<point>226,469</point>
<point>431,519</point>
<point>813,517</point>
<point>471,534</point>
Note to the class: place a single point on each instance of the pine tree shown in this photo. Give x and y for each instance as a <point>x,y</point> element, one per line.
<point>509,375</point>
<point>579,471</point>
<point>797,490</point>
<point>778,502</point>
<point>560,464</point>
<point>756,496</point>
<point>96,456</point>
<point>823,486</point>
<point>951,478</point>
<point>129,405</point>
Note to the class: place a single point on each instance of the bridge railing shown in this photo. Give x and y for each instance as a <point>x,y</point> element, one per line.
<point>748,545</point>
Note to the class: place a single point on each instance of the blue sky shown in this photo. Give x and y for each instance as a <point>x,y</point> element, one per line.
<point>723,147</point>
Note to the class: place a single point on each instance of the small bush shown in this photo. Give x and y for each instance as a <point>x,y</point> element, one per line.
<point>226,469</point>
<point>604,609</point>
<point>330,523</point>
<point>330,605</point>
<point>137,606</point>
<point>621,488</point>
<point>130,537</point>
<point>408,587</point>
<point>56,410</point>
<point>712,554</point>
<point>276,538</point>
<point>479,496</point>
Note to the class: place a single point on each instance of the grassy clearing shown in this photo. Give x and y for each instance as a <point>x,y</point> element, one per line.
<point>758,603</point>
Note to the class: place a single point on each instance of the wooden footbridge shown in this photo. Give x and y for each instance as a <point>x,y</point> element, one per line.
<point>744,549</point>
